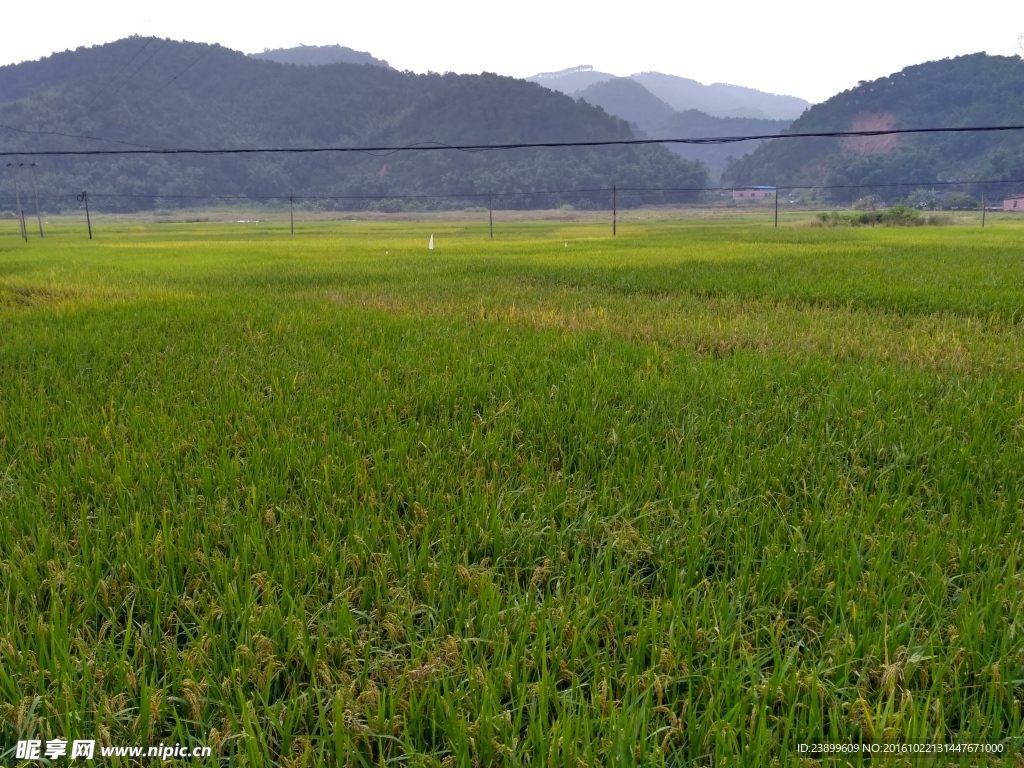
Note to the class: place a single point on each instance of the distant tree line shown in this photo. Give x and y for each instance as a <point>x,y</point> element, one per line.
<point>199,96</point>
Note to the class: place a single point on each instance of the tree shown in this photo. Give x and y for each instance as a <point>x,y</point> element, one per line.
<point>923,199</point>
<point>958,201</point>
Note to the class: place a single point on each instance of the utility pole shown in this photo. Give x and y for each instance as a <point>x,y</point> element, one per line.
<point>84,198</point>
<point>35,193</point>
<point>776,206</point>
<point>17,202</point>
<point>984,206</point>
<point>291,201</point>
<point>490,215</point>
<point>615,213</point>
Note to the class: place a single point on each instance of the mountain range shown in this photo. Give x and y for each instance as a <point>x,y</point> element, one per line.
<point>150,93</point>
<point>682,94</point>
<point>146,93</point>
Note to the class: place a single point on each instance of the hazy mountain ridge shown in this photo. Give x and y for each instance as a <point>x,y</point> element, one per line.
<point>568,81</point>
<point>976,89</point>
<point>318,55</point>
<point>681,93</point>
<point>162,93</point>
<point>626,98</point>
<point>721,99</point>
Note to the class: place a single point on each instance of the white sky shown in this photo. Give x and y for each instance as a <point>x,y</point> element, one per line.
<point>806,48</point>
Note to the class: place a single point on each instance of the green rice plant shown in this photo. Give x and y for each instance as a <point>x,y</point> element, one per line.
<point>697,494</point>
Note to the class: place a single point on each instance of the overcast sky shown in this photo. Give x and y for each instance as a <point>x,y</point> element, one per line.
<point>805,48</point>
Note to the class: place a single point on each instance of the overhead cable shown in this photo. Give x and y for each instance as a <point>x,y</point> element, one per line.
<point>122,69</point>
<point>437,146</point>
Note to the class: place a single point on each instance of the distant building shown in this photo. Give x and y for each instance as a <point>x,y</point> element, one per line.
<point>746,194</point>
<point>1015,203</point>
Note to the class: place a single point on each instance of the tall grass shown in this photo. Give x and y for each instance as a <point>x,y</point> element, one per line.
<point>689,496</point>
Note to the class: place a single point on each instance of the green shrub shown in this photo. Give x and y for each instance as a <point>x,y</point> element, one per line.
<point>957,201</point>
<point>901,215</point>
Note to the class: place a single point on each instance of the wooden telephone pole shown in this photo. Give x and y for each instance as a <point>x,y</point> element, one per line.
<point>35,193</point>
<point>17,202</point>
<point>84,198</point>
<point>614,210</point>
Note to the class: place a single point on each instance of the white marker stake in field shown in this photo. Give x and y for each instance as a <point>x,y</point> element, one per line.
<point>430,245</point>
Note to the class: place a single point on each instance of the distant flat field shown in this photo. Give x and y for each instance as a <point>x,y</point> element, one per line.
<point>697,494</point>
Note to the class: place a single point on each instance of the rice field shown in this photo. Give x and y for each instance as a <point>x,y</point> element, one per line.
<point>695,495</point>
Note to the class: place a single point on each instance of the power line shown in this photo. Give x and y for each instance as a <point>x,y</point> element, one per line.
<point>139,69</point>
<point>587,191</point>
<point>793,187</point>
<point>186,69</point>
<point>122,69</point>
<point>366,197</point>
<point>72,136</point>
<point>435,146</point>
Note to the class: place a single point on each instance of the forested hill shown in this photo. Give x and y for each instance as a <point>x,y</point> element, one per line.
<point>162,93</point>
<point>973,90</point>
